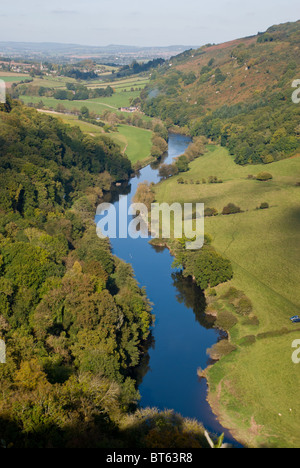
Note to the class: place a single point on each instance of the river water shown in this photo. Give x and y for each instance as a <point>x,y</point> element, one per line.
<point>182,333</point>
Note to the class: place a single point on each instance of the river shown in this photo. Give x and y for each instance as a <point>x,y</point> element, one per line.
<point>182,332</point>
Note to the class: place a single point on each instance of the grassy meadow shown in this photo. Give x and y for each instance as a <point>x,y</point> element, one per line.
<point>254,389</point>
<point>12,78</point>
<point>98,105</point>
<point>134,142</point>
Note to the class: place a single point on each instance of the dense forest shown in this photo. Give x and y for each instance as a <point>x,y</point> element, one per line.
<point>135,68</point>
<point>237,94</point>
<point>75,322</point>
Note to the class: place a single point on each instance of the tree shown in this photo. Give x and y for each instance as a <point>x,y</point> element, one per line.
<point>231,208</point>
<point>84,112</point>
<point>160,143</point>
<point>182,164</point>
<point>145,195</point>
<point>168,170</point>
<point>208,268</point>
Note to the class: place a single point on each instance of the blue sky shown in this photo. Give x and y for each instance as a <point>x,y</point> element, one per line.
<point>140,22</point>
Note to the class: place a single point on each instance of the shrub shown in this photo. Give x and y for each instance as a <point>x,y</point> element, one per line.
<point>252,321</point>
<point>268,159</point>
<point>247,340</point>
<point>232,294</point>
<point>210,212</point>
<point>212,292</point>
<point>263,176</point>
<point>231,208</point>
<point>225,320</point>
<point>214,180</point>
<point>244,306</point>
<point>220,349</point>
<point>264,206</point>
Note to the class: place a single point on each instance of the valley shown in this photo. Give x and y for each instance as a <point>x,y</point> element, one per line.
<point>147,342</point>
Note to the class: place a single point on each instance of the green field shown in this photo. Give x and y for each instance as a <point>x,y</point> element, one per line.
<point>134,142</point>
<point>254,390</point>
<point>118,99</point>
<point>99,105</point>
<point>121,85</point>
<point>73,120</point>
<point>13,78</point>
<point>52,81</point>
<point>94,105</point>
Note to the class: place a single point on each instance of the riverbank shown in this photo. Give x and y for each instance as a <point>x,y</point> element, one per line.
<point>182,332</point>
<point>253,389</point>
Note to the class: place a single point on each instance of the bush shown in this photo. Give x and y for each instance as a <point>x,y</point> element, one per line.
<point>212,292</point>
<point>244,306</point>
<point>264,206</point>
<point>220,349</point>
<point>210,212</point>
<point>225,320</point>
<point>252,321</point>
<point>232,294</point>
<point>263,176</point>
<point>247,340</point>
<point>214,180</point>
<point>231,208</point>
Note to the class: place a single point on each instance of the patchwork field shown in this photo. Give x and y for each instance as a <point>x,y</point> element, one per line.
<point>10,78</point>
<point>254,389</point>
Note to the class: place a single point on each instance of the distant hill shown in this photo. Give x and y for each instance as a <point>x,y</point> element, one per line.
<point>230,92</point>
<point>54,51</point>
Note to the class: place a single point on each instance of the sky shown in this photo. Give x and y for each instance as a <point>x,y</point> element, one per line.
<point>141,22</point>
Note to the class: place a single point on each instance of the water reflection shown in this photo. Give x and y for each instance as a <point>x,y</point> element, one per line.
<point>189,294</point>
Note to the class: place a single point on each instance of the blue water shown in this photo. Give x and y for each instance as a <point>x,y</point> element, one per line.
<point>181,334</point>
